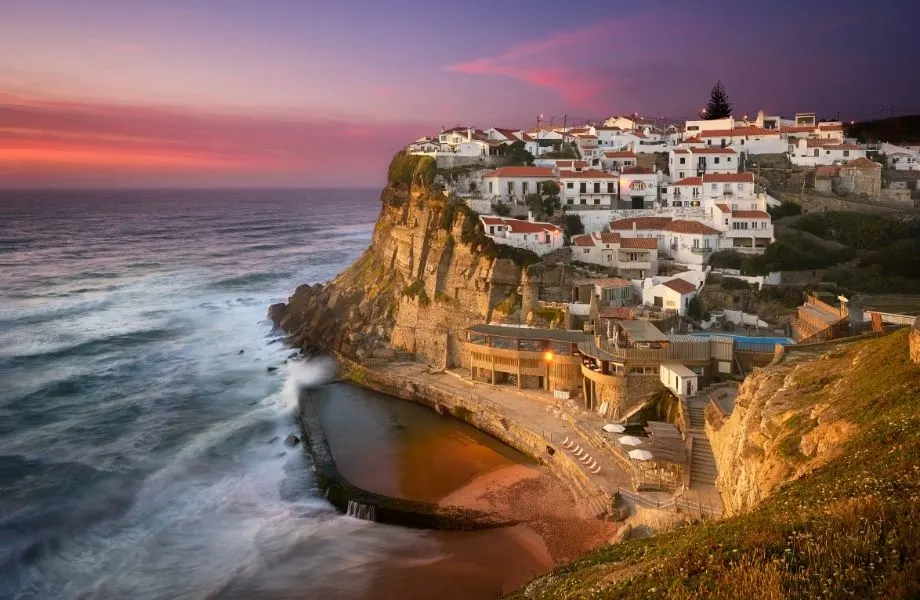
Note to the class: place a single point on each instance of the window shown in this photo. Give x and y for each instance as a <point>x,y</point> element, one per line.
<point>683,160</point>
<point>584,201</point>
<point>715,160</point>
<point>734,206</point>
<point>610,187</point>
<point>597,200</point>
<point>525,187</point>
<point>583,188</point>
<point>569,185</point>
<point>490,186</point>
<point>728,159</point>
<point>597,187</point>
<point>846,152</point>
<point>571,201</point>
<point>817,152</point>
<point>676,203</point>
<point>726,222</point>
<point>713,187</point>
<point>510,188</point>
<point>696,242</point>
<point>740,186</point>
<point>587,251</point>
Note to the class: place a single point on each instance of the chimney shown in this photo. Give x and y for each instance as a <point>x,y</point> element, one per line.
<point>530,216</point>
<point>634,225</point>
<point>469,134</point>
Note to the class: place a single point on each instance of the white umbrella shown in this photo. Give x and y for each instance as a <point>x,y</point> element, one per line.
<point>613,428</point>
<point>640,454</point>
<point>630,440</point>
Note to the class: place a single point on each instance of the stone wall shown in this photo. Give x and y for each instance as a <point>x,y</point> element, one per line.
<point>915,342</point>
<point>372,506</point>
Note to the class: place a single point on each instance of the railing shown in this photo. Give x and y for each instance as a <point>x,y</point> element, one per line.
<point>703,509</point>
<point>704,250</point>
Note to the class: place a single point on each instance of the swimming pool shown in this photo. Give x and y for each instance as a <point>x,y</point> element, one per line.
<point>747,339</point>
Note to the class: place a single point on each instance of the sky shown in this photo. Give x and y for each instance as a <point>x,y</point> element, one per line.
<point>283,93</point>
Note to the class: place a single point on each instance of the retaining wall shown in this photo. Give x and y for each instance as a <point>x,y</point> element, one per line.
<point>371,506</point>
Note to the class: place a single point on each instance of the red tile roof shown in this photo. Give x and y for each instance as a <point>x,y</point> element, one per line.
<point>571,164</point>
<point>830,126</point>
<point>681,151</point>
<point>584,239</point>
<point>610,238</point>
<point>728,178</point>
<point>510,134</point>
<point>642,223</point>
<point>862,163</point>
<point>693,140</point>
<point>610,282</point>
<point>616,312</point>
<point>639,134</point>
<point>690,181</point>
<point>723,207</point>
<point>680,286</point>
<point>738,132</point>
<point>750,214</point>
<point>797,129</point>
<point>695,227</point>
<point>620,154</point>
<point>639,243</point>
<point>589,174</point>
<point>637,170</point>
<point>518,226</point>
<point>542,172</point>
<point>712,151</point>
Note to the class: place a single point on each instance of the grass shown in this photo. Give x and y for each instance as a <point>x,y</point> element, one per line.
<point>849,529</point>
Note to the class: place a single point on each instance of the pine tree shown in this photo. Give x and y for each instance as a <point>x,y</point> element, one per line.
<point>718,107</point>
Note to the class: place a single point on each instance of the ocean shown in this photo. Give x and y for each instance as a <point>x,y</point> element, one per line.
<point>141,434</point>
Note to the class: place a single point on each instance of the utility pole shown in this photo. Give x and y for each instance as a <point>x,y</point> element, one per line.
<point>565,119</point>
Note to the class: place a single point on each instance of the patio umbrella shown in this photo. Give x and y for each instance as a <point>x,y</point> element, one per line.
<point>630,440</point>
<point>613,428</point>
<point>640,454</point>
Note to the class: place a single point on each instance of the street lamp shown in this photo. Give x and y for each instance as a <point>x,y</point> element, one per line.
<point>548,357</point>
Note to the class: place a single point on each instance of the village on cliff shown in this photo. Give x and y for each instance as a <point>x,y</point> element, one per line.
<point>637,207</point>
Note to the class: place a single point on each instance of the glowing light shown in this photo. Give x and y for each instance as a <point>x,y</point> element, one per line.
<point>548,357</point>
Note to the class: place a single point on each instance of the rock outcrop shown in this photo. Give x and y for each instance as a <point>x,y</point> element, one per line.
<point>428,273</point>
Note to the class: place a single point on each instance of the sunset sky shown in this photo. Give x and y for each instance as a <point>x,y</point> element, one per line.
<point>315,93</point>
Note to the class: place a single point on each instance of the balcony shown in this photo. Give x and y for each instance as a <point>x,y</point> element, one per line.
<point>701,250</point>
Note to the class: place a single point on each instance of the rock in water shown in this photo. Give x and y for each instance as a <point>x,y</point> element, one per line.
<point>276,312</point>
<point>271,369</point>
<point>292,440</point>
<point>241,352</point>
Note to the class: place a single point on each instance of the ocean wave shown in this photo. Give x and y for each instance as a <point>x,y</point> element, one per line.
<point>249,280</point>
<point>53,314</point>
<point>94,347</point>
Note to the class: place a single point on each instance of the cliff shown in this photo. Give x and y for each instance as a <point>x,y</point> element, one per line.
<point>819,469</point>
<point>428,273</point>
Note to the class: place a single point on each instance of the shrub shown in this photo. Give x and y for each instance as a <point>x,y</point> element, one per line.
<point>786,209</point>
<point>572,225</point>
<point>501,209</point>
<point>726,259</point>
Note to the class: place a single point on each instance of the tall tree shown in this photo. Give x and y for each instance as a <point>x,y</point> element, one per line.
<point>718,107</point>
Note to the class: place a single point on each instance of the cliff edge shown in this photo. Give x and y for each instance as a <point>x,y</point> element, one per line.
<point>428,273</point>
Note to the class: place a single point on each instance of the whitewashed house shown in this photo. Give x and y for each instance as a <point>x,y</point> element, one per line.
<point>425,145</point>
<point>684,241</point>
<point>812,152</point>
<point>830,130</point>
<point>581,189</point>
<point>696,127</point>
<point>638,187</point>
<point>749,139</point>
<point>678,378</point>
<point>614,138</point>
<point>903,161</point>
<point>674,295</point>
<point>529,235</point>
<point>617,160</point>
<point>635,258</point>
<point>693,162</point>
<point>512,184</point>
<point>747,231</point>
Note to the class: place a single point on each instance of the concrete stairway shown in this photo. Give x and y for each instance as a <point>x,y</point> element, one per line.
<point>697,416</point>
<point>702,462</point>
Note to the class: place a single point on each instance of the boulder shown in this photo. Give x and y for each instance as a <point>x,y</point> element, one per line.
<point>271,369</point>
<point>276,312</point>
<point>292,440</point>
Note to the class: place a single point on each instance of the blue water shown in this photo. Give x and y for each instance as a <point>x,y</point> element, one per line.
<point>139,429</point>
<point>749,339</point>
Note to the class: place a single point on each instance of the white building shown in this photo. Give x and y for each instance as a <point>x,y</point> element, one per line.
<point>587,188</point>
<point>639,187</point>
<point>674,295</point>
<point>512,184</point>
<point>614,138</point>
<point>678,378</point>
<point>696,127</point>
<point>811,152</point>
<point>903,161</point>
<point>617,160</point>
<point>684,241</point>
<point>693,162</point>
<point>749,139</point>
<point>635,258</point>
<point>529,235</point>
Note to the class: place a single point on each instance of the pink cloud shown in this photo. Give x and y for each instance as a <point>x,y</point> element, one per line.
<point>127,48</point>
<point>43,139</point>
<point>554,62</point>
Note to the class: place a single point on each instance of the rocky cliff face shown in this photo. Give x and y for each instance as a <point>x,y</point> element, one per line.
<point>785,424</point>
<point>427,275</point>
